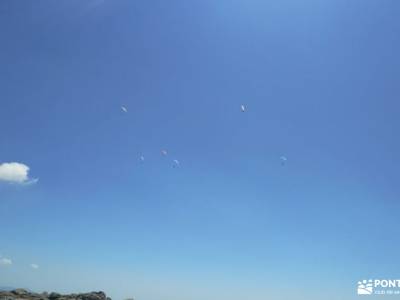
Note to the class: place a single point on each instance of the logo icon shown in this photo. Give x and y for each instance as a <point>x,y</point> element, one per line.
<point>365,287</point>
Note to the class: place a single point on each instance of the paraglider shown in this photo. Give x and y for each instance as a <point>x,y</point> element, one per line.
<point>283,160</point>
<point>242,108</point>
<point>124,109</point>
<point>176,163</point>
<point>164,152</point>
<point>141,158</point>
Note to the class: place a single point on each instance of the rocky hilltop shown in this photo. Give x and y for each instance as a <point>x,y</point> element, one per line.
<point>21,294</point>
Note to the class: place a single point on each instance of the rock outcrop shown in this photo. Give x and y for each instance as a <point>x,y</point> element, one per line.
<point>21,294</point>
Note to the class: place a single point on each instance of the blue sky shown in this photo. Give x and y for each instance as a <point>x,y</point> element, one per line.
<point>320,82</point>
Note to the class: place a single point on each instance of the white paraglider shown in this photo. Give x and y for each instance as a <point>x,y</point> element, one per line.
<point>164,152</point>
<point>242,108</point>
<point>176,163</point>
<point>124,109</point>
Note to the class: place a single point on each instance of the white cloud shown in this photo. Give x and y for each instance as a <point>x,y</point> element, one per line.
<point>5,261</point>
<point>34,266</point>
<point>15,173</point>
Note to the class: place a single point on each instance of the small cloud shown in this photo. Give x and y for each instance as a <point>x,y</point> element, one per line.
<point>14,172</point>
<point>31,181</point>
<point>5,261</point>
<point>34,266</point>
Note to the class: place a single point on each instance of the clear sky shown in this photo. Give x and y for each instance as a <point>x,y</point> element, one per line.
<point>320,82</point>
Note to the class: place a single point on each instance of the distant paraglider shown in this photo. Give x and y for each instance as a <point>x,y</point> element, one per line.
<point>141,158</point>
<point>242,108</point>
<point>176,163</point>
<point>124,109</point>
<point>283,160</point>
<point>164,152</point>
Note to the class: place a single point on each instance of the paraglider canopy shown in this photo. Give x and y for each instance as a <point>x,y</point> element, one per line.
<point>242,108</point>
<point>176,163</point>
